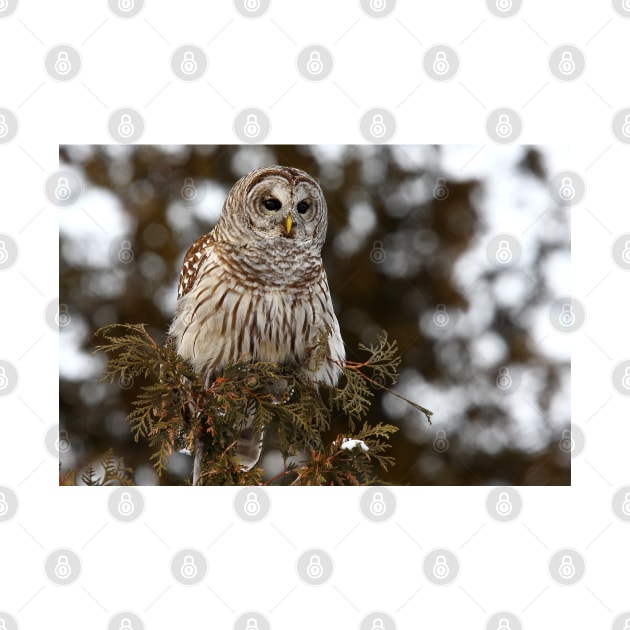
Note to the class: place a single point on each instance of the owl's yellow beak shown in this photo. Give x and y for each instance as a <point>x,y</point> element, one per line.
<point>288,223</point>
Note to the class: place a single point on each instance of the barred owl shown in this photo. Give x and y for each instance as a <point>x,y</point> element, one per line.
<point>255,286</point>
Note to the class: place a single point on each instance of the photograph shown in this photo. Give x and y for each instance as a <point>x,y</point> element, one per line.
<point>315,315</point>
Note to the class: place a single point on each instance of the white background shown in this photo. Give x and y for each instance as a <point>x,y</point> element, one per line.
<point>251,62</point>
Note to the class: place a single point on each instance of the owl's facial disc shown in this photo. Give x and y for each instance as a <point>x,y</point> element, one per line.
<point>284,209</point>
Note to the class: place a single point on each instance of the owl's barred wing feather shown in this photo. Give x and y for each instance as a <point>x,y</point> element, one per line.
<point>193,259</point>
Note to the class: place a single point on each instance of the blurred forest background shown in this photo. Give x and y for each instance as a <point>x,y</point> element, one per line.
<point>409,250</point>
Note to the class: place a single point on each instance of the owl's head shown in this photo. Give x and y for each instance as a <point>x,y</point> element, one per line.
<point>275,203</point>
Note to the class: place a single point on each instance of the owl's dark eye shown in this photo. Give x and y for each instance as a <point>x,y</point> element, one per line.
<point>302,207</point>
<point>272,204</point>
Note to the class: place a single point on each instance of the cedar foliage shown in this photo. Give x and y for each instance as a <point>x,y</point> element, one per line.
<point>292,411</point>
<point>112,471</point>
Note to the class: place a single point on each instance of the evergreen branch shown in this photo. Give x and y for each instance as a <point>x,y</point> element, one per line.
<point>114,472</point>
<point>383,362</point>
<point>174,410</point>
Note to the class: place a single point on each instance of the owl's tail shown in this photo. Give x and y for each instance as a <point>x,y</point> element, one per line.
<point>249,446</point>
<point>248,449</point>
